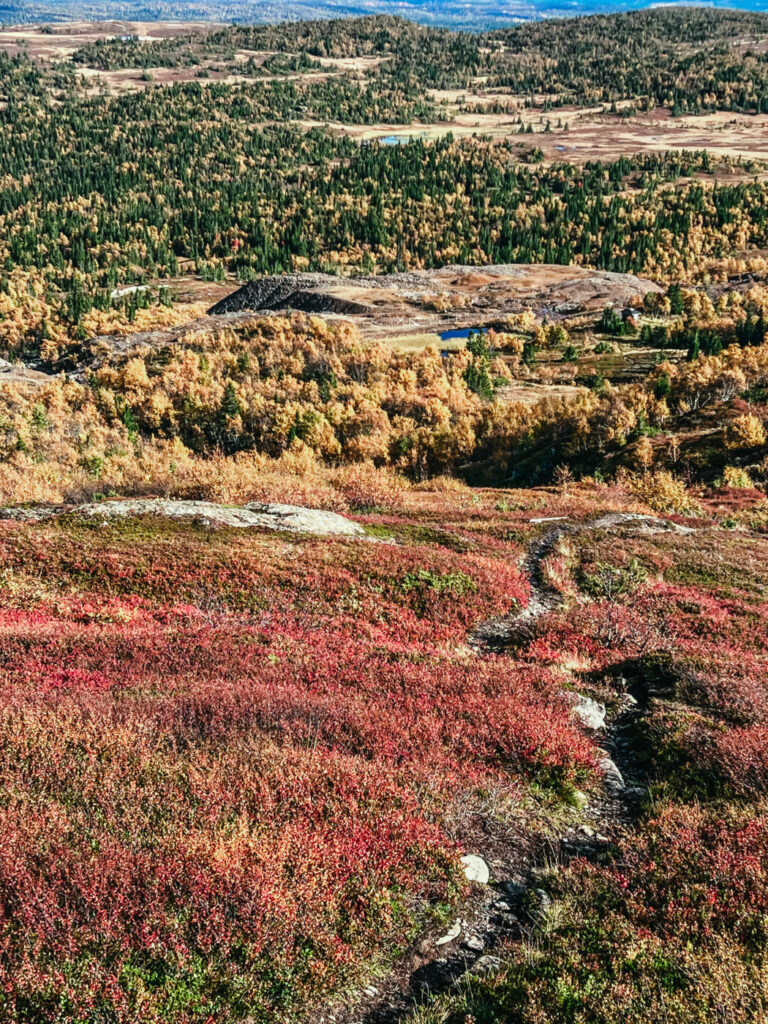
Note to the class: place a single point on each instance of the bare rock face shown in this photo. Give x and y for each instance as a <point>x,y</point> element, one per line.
<point>642,523</point>
<point>480,291</point>
<point>289,518</point>
<point>308,293</point>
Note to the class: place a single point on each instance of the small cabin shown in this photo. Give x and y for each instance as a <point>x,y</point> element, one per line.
<point>631,316</point>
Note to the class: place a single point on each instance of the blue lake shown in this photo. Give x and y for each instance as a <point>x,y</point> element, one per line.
<point>461,332</point>
<point>400,140</point>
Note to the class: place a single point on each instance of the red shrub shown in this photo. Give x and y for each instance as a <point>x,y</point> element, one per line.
<point>229,756</point>
<point>742,755</point>
<point>691,874</point>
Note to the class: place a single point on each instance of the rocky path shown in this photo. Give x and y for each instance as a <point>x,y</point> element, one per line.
<point>497,634</point>
<point>507,902</point>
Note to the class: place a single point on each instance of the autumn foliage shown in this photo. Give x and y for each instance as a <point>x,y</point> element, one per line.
<point>282,405</point>
<point>233,758</point>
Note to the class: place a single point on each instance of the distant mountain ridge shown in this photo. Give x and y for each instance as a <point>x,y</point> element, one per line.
<point>481,14</point>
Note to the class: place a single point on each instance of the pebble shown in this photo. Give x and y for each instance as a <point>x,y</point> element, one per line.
<point>544,901</point>
<point>370,991</point>
<point>487,965</point>
<point>453,933</point>
<point>474,944</point>
<point>476,869</point>
<point>638,791</point>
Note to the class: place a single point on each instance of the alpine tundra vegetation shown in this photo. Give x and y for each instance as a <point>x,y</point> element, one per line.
<point>384,520</point>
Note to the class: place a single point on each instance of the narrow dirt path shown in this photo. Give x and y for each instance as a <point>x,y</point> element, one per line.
<point>496,634</point>
<point>511,904</point>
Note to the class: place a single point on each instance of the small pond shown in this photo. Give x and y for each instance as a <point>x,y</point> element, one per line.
<point>461,332</point>
<point>399,140</point>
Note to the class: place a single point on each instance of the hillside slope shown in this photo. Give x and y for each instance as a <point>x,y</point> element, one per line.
<point>250,762</point>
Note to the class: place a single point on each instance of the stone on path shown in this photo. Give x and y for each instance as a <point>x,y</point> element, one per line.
<point>487,965</point>
<point>589,713</point>
<point>453,933</point>
<point>613,778</point>
<point>476,869</point>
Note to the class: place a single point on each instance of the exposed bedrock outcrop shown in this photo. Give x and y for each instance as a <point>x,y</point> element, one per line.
<point>258,515</point>
<point>489,290</point>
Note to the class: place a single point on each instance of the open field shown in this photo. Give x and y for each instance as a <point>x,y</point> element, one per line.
<point>738,137</point>
<point>133,80</point>
<point>591,134</point>
<point>565,133</point>
<point>59,42</point>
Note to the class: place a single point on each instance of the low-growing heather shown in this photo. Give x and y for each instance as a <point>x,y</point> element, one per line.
<point>670,924</point>
<point>227,759</point>
<point>232,761</point>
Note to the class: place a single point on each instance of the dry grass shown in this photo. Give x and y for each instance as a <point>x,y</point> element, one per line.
<point>590,133</point>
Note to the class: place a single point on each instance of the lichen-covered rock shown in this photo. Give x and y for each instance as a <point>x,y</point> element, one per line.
<point>290,518</point>
<point>588,713</point>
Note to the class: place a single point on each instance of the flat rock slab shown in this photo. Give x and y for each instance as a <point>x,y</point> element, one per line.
<point>288,518</point>
<point>646,524</point>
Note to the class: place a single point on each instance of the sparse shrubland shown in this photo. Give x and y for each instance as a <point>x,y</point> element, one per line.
<point>670,922</point>
<point>234,759</point>
<point>673,928</point>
